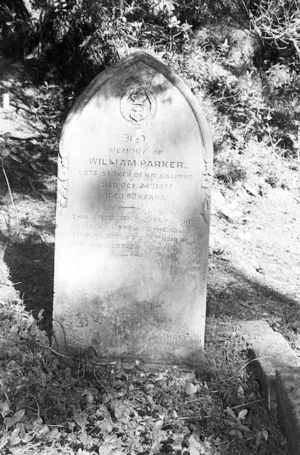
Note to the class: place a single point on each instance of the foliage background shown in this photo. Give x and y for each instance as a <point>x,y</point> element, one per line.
<point>241,58</point>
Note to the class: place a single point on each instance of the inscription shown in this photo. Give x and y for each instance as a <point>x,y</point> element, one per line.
<point>122,235</point>
<point>137,175</point>
<point>146,186</point>
<point>129,137</point>
<point>173,340</point>
<point>135,163</point>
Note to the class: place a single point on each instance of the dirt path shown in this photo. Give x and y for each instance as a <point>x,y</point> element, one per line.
<point>264,243</point>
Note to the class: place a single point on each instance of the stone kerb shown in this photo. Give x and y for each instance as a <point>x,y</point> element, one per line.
<point>134,181</point>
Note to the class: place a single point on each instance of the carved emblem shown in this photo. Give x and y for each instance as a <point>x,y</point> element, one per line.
<point>138,106</point>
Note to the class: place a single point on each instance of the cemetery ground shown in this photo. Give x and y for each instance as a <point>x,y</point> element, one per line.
<point>52,404</point>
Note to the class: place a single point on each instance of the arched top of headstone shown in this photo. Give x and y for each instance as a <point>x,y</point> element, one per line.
<point>137,66</point>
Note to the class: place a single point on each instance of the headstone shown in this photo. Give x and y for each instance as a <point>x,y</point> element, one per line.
<point>134,177</point>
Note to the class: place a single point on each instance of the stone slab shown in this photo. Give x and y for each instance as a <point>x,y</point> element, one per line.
<point>288,395</point>
<point>278,370</point>
<point>272,352</point>
<point>133,212</point>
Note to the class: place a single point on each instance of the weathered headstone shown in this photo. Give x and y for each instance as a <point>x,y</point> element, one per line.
<point>134,181</point>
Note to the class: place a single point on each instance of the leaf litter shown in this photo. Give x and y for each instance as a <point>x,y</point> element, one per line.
<point>54,404</point>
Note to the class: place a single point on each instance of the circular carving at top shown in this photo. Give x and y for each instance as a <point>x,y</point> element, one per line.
<point>138,106</point>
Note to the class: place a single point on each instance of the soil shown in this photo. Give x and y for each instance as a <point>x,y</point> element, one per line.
<point>254,262</point>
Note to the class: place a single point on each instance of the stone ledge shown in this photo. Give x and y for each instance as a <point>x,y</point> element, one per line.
<point>288,408</point>
<point>278,370</point>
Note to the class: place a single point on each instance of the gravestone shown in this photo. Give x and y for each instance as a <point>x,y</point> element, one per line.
<point>134,177</point>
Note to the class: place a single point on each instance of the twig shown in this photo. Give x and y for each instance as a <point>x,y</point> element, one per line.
<point>247,404</point>
<point>36,191</point>
<point>8,186</point>
<point>75,358</point>
<point>9,190</point>
<point>237,372</point>
<point>102,385</point>
<point>192,417</point>
<point>54,352</point>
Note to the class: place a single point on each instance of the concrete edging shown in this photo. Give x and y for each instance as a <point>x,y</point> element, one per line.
<point>278,370</point>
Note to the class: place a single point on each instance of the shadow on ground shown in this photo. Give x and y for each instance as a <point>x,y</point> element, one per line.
<point>234,296</point>
<point>31,269</point>
<point>230,293</point>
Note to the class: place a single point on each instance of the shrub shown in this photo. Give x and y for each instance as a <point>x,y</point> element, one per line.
<point>18,29</point>
<point>277,23</point>
<point>81,37</point>
<point>230,172</point>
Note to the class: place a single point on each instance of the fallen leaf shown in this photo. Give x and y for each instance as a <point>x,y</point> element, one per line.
<point>178,439</point>
<point>230,412</point>
<point>14,438</point>
<point>105,425</point>
<point>81,418</point>
<point>6,136</point>
<point>195,445</point>
<point>53,434</point>
<point>15,158</point>
<point>157,426</point>
<point>241,392</point>
<point>192,389</point>
<point>242,414</point>
<point>265,434</point>
<point>120,409</point>
<point>5,152</point>
<point>27,438</point>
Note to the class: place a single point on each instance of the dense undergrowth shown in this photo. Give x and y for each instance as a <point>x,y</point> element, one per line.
<point>53,404</point>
